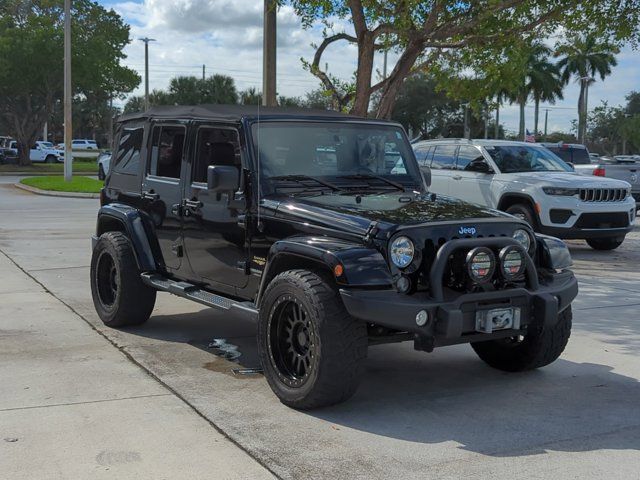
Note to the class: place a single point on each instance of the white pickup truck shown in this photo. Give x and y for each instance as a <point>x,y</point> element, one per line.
<point>528,181</point>
<point>41,152</point>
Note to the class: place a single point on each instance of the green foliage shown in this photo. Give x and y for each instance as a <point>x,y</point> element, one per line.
<point>58,184</point>
<point>31,55</point>
<point>613,129</point>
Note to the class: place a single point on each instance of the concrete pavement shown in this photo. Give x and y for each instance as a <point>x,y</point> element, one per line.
<point>417,415</point>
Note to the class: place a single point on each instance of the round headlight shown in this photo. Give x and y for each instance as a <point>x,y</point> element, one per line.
<point>522,236</point>
<point>511,263</point>
<point>402,252</point>
<point>481,263</point>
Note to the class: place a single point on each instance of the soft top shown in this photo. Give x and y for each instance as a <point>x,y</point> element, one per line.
<point>233,113</point>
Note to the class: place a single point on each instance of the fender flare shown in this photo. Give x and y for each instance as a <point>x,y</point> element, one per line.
<point>363,266</point>
<point>136,225</point>
<point>523,196</point>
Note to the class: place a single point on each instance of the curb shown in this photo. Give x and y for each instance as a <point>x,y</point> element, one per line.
<point>42,174</point>
<point>51,193</point>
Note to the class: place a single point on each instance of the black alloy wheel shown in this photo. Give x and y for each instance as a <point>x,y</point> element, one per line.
<point>107,279</point>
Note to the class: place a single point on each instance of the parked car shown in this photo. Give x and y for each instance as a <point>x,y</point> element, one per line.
<point>8,156</point>
<point>530,182</point>
<point>594,156</point>
<point>41,152</point>
<point>104,161</point>
<point>620,167</point>
<point>81,144</point>
<point>294,219</point>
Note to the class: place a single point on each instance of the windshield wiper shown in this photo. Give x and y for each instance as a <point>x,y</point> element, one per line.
<point>302,178</point>
<point>370,176</point>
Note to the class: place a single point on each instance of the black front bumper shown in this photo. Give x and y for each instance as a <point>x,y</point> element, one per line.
<point>585,233</point>
<point>452,321</point>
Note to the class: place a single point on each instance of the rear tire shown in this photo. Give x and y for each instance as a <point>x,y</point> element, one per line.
<point>312,351</point>
<point>604,243</point>
<point>539,347</point>
<point>118,293</point>
<point>523,212</point>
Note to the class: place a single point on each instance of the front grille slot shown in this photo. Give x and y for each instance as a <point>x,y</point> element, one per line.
<point>603,220</point>
<point>603,194</point>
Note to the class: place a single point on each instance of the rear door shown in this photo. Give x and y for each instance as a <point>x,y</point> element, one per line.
<point>471,186</point>
<point>442,168</point>
<point>213,237</point>
<point>162,189</point>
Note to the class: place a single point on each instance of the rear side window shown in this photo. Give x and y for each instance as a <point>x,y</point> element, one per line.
<point>563,153</point>
<point>423,155</point>
<point>167,144</point>
<point>466,155</point>
<point>127,157</point>
<point>215,146</point>
<point>581,157</point>
<point>444,157</point>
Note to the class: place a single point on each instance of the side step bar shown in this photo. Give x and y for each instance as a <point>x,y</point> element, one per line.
<point>196,294</point>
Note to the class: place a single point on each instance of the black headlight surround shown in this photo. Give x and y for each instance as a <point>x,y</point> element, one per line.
<point>417,255</point>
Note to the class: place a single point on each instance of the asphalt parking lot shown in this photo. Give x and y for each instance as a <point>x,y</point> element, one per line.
<point>416,415</point>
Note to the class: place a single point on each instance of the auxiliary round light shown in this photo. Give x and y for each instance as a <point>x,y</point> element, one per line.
<point>402,251</point>
<point>523,238</point>
<point>403,284</point>
<point>512,263</point>
<point>422,318</point>
<point>481,264</point>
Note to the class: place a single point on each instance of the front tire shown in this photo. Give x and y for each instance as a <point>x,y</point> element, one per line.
<point>540,347</point>
<point>120,297</point>
<point>523,212</point>
<point>605,243</point>
<point>312,351</point>
<point>50,159</point>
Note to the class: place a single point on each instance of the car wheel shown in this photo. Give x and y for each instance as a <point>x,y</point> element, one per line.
<point>539,347</point>
<point>605,243</point>
<point>119,295</point>
<point>523,212</point>
<point>312,351</point>
<point>50,159</point>
<point>101,174</point>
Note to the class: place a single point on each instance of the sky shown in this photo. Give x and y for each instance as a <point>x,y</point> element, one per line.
<point>226,37</point>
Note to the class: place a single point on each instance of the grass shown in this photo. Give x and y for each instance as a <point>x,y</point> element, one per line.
<point>90,167</point>
<point>57,184</point>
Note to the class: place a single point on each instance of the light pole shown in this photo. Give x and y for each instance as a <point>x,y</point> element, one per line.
<point>68,131</point>
<point>467,130</point>
<point>269,55</point>
<point>146,41</point>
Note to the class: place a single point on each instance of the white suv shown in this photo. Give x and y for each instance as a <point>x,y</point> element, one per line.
<point>528,181</point>
<point>82,144</point>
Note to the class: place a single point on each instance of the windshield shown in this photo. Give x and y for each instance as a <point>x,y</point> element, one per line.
<point>344,154</point>
<point>46,144</point>
<point>522,158</point>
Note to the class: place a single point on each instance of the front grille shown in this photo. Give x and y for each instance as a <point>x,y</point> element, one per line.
<point>603,194</point>
<point>603,220</point>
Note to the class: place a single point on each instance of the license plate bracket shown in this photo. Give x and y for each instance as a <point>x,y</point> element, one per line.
<point>488,321</point>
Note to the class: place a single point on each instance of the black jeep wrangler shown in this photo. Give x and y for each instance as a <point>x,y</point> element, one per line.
<point>319,226</point>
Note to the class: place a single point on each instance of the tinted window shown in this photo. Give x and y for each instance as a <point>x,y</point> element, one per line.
<point>127,158</point>
<point>466,155</point>
<point>563,153</point>
<point>423,154</point>
<point>215,146</point>
<point>580,156</point>
<point>523,158</point>
<point>167,143</point>
<point>444,156</point>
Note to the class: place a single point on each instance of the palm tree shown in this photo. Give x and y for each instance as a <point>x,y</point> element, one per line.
<point>585,57</point>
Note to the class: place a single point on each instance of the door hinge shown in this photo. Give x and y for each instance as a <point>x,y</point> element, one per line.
<point>178,250</point>
<point>245,266</point>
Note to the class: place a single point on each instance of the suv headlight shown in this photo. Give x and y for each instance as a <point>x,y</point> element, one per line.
<point>523,238</point>
<point>560,191</point>
<point>402,251</point>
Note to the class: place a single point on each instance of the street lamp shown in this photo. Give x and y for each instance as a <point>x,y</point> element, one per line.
<point>146,41</point>
<point>68,131</point>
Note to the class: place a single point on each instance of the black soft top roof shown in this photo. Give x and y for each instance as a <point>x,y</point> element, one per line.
<point>235,113</point>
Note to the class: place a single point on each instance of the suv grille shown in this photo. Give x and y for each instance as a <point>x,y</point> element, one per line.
<point>603,194</point>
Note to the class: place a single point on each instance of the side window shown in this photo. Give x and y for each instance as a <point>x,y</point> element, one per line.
<point>466,155</point>
<point>215,146</point>
<point>167,144</point>
<point>444,157</point>
<point>423,155</point>
<point>127,157</point>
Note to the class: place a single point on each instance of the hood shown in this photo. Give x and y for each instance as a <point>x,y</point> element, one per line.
<point>565,179</point>
<point>355,213</point>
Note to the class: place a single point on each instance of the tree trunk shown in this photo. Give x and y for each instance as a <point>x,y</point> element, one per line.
<point>497,127</point>
<point>364,73</point>
<point>581,113</point>
<point>395,80</point>
<point>521,132</point>
<point>535,116</point>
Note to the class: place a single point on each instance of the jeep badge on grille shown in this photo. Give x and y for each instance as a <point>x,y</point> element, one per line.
<point>467,231</point>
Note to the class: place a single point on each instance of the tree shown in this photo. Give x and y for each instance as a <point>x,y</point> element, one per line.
<point>216,89</point>
<point>251,96</point>
<point>31,55</point>
<point>584,57</point>
<point>544,81</point>
<point>421,33</point>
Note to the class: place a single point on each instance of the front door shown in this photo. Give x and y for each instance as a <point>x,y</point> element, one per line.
<point>213,239</point>
<point>161,189</point>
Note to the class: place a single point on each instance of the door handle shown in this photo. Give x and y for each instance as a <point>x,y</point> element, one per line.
<point>150,195</point>
<point>457,177</point>
<point>195,204</point>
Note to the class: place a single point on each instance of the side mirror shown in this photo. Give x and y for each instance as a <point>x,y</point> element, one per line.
<point>222,178</point>
<point>479,165</point>
<point>572,166</point>
<point>426,175</point>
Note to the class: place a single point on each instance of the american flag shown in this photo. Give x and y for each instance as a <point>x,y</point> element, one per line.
<point>530,137</point>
